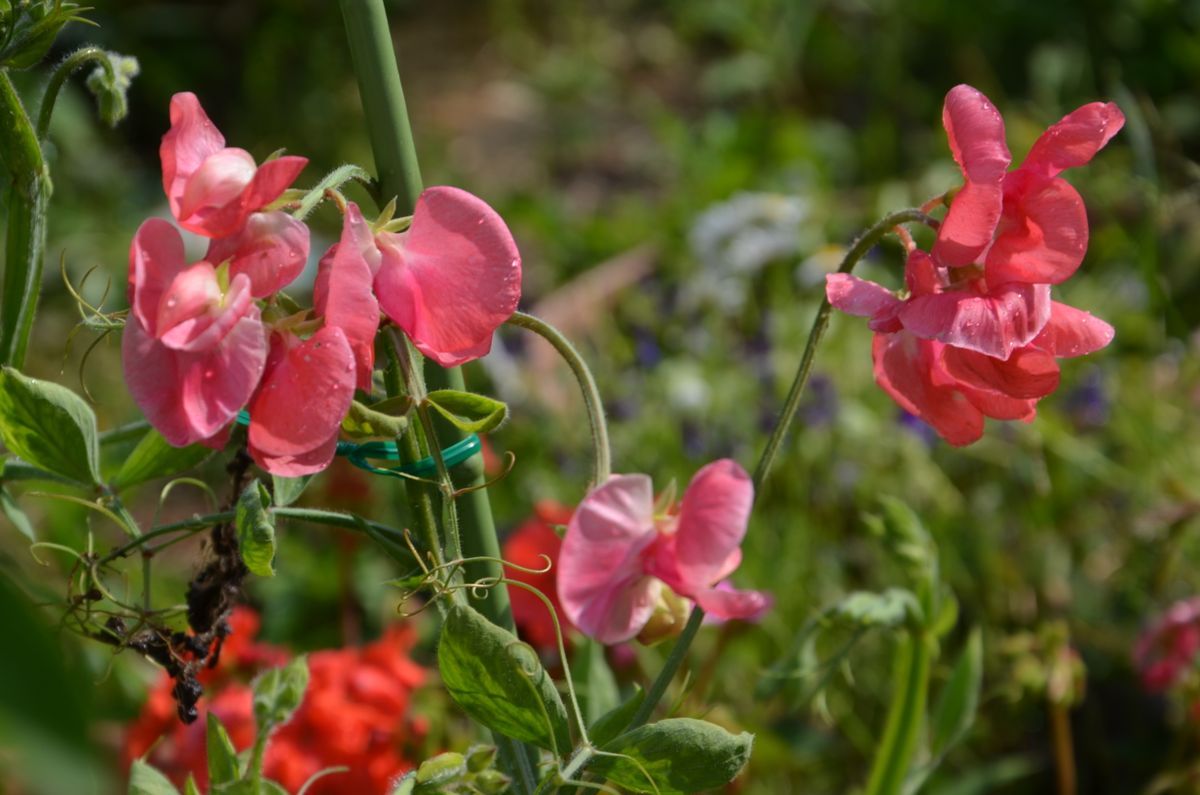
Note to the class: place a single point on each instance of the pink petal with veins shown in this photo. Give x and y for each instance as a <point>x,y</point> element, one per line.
<point>1043,234</point>
<point>156,257</point>
<point>452,278</point>
<point>904,368</point>
<point>1074,140</point>
<point>1072,332</point>
<point>994,323</point>
<point>271,250</point>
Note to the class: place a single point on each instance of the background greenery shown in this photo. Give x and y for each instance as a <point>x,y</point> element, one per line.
<point>615,137</point>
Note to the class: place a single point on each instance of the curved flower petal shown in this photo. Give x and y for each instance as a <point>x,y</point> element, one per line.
<point>271,250</point>
<point>305,394</point>
<point>858,297</point>
<point>904,369</point>
<point>1000,407</point>
<point>204,331</point>
<point>190,396</point>
<point>452,278</point>
<point>214,215</point>
<point>1072,332</point>
<point>712,523</point>
<point>729,603</point>
<point>1043,233</point>
<point>190,141</point>
<point>156,257</point>
<point>342,293</point>
<point>975,131</point>
<point>189,298</point>
<point>599,566</point>
<point>1074,140</point>
<point>995,323</point>
<point>1028,373</point>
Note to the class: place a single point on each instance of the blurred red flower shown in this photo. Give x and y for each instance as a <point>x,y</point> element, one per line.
<point>525,546</point>
<point>354,714</point>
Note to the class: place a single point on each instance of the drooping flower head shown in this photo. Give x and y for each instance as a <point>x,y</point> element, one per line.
<point>977,333</point>
<point>618,556</point>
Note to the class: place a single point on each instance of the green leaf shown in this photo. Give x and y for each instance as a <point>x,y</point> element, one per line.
<point>278,692</point>
<point>499,681</point>
<point>288,490</point>
<point>609,725</point>
<point>145,780</point>
<point>594,681</point>
<point>49,426</point>
<point>155,457</point>
<point>406,784</point>
<point>959,699</point>
<point>222,756</point>
<point>386,419</point>
<point>15,515</point>
<point>681,755</point>
<point>441,771</point>
<point>467,411</point>
<point>190,787</point>
<point>255,529</point>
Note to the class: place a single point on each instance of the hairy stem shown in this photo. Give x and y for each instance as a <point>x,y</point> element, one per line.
<point>602,466</point>
<point>81,57</point>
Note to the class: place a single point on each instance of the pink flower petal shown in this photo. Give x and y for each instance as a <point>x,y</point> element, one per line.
<point>271,249</point>
<point>300,464</point>
<point>1000,407</point>
<point>305,394</point>
<point>156,257</point>
<point>712,523</point>
<point>343,296</point>
<point>220,179</point>
<point>856,296</point>
<point>1072,332</point>
<point>218,217</point>
<point>904,369</point>
<point>1028,373</point>
<point>190,141</point>
<point>1043,233</point>
<point>995,323</point>
<point>975,131</point>
<point>202,332</point>
<point>452,278</point>
<point>1075,139</point>
<point>727,603</point>
<point>922,275</point>
<point>190,396</point>
<point>600,575</point>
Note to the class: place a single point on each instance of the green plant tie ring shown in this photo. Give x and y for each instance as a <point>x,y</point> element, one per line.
<point>357,454</point>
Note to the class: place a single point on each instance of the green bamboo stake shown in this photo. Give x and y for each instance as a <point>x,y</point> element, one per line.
<point>399,175</point>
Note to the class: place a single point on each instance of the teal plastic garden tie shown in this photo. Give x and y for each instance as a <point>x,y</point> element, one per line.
<point>357,454</point>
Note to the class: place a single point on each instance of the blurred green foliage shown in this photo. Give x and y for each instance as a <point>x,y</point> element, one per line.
<point>613,136</point>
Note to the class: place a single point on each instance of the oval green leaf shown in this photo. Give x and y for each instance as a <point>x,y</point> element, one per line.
<point>467,411</point>
<point>256,529</point>
<point>49,426</point>
<point>155,457</point>
<point>681,755</point>
<point>499,681</point>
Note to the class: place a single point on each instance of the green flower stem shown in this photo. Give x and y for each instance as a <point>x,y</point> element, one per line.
<point>28,201</point>
<point>906,715</point>
<point>81,57</point>
<point>344,521</point>
<point>602,466</point>
<point>865,242</point>
<point>420,494</point>
<point>399,175</point>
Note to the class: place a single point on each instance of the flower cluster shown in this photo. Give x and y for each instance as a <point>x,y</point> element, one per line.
<point>206,339</point>
<point>354,714</point>
<point>1166,654</point>
<point>622,564</point>
<point>977,333</point>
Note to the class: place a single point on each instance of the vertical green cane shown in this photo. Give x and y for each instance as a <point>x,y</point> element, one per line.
<point>399,175</point>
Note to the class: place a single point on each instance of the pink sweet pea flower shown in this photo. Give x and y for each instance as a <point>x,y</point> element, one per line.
<point>1167,652</point>
<point>452,278</point>
<point>192,352</point>
<point>343,291</point>
<point>617,556</point>
<point>213,189</point>
<point>297,411</point>
<point>271,249</point>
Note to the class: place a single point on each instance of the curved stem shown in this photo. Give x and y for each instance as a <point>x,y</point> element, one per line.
<point>865,242</point>
<point>602,466</point>
<point>72,62</point>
